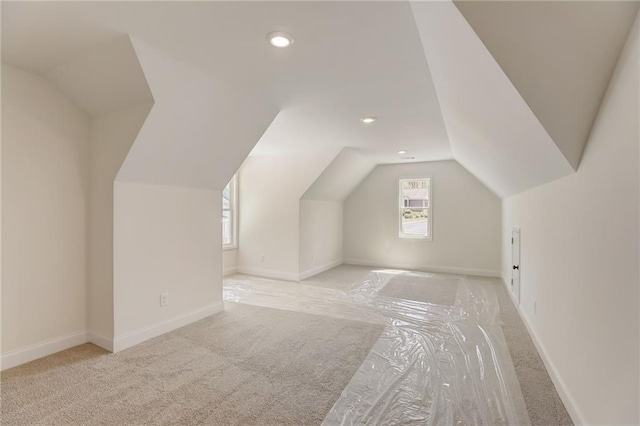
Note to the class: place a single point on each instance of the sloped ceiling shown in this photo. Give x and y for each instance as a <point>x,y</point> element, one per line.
<point>34,39</point>
<point>196,134</point>
<point>559,55</point>
<point>508,89</point>
<point>492,131</point>
<point>105,80</point>
<point>347,170</point>
<point>342,66</point>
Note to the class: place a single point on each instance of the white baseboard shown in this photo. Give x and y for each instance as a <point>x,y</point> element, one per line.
<point>135,337</point>
<point>99,340</point>
<point>268,273</point>
<point>230,271</point>
<point>318,269</point>
<point>426,268</point>
<point>42,349</point>
<point>49,347</point>
<point>569,403</point>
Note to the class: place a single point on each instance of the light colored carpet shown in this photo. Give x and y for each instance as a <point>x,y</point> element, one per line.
<point>339,278</point>
<point>437,290</point>
<point>544,406</point>
<point>433,364</point>
<point>543,402</point>
<point>248,365</point>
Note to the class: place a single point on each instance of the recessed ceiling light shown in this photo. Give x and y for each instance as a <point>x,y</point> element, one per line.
<point>368,120</point>
<point>280,39</point>
<point>402,151</point>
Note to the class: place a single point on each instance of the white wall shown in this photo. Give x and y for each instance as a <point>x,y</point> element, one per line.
<point>45,185</point>
<point>229,261</point>
<point>322,212</point>
<point>111,138</point>
<point>192,142</point>
<point>321,236</point>
<point>0,236</point>
<point>579,262</point>
<point>466,222</point>
<point>270,190</point>
<point>196,135</point>
<point>166,239</point>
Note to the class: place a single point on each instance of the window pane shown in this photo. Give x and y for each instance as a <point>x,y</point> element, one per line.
<point>415,193</point>
<point>226,198</point>
<point>414,221</point>
<point>226,227</point>
<point>229,214</point>
<point>419,203</point>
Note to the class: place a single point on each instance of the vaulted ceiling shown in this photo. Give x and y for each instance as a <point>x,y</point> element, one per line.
<point>508,89</point>
<point>558,55</point>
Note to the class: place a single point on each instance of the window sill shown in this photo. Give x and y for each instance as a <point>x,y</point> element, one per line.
<point>414,237</point>
<point>230,247</point>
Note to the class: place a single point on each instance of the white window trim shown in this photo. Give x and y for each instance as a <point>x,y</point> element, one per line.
<point>233,193</point>
<point>399,207</point>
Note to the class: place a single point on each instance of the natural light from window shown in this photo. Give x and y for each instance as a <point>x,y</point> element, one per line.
<point>415,208</point>
<point>229,214</point>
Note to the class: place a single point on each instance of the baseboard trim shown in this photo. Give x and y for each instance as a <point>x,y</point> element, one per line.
<point>42,349</point>
<point>230,271</point>
<point>140,335</point>
<point>268,273</point>
<point>426,268</point>
<point>319,269</point>
<point>99,340</point>
<point>569,403</point>
<point>50,347</point>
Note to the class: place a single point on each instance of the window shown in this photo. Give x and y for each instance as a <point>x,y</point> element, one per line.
<point>230,214</point>
<point>415,208</point>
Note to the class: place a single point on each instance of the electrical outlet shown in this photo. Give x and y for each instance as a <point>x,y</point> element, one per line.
<point>262,258</point>
<point>313,258</point>
<point>535,307</point>
<point>164,299</point>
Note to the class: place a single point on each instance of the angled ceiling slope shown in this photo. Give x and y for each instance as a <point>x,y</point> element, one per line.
<point>340,68</point>
<point>107,79</point>
<point>347,170</point>
<point>559,55</point>
<point>492,131</point>
<point>199,130</point>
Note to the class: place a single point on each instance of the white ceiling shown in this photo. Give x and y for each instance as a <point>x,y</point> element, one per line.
<point>516,99</point>
<point>37,39</point>
<point>349,59</point>
<point>559,55</point>
<point>347,170</point>
<point>197,134</point>
<point>106,80</point>
<point>492,131</point>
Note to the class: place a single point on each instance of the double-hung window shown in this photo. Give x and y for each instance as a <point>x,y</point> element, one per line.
<point>230,214</point>
<point>414,210</point>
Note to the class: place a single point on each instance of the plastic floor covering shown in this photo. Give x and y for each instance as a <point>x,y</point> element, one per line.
<point>442,363</point>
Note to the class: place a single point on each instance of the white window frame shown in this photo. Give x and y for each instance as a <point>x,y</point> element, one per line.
<point>429,236</point>
<point>233,208</point>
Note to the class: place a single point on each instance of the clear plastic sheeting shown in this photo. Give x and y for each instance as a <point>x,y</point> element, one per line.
<point>434,364</point>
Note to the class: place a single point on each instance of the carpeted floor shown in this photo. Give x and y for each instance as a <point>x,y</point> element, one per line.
<point>543,403</point>
<point>248,365</point>
<point>439,291</point>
